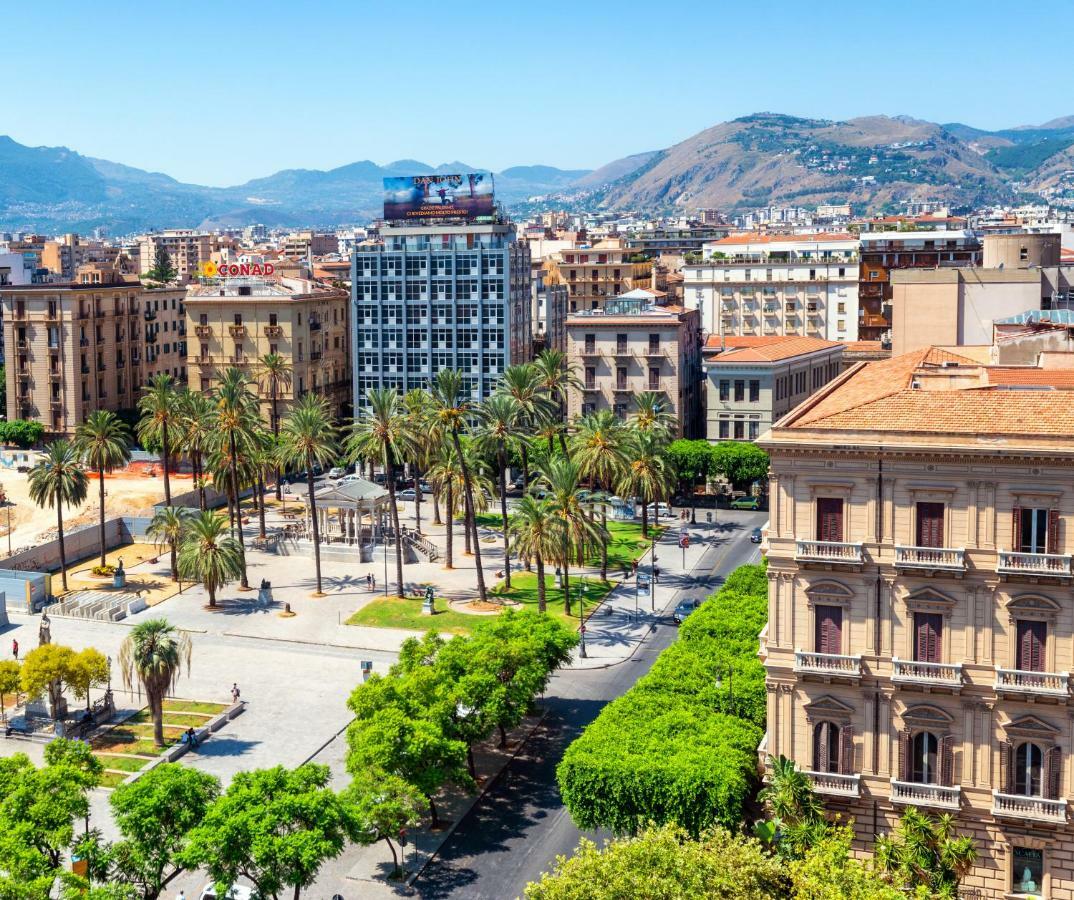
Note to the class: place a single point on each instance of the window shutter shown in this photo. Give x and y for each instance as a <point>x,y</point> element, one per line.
<point>904,756</point>
<point>821,762</point>
<point>1016,529</point>
<point>1053,531</point>
<point>947,760</point>
<point>846,750</point>
<point>1006,768</point>
<point>1053,772</point>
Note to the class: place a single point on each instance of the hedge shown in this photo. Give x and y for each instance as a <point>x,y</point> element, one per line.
<point>674,748</point>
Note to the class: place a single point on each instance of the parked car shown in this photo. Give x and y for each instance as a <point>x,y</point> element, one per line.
<point>336,472</point>
<point>237,892</point>
<point>746,503</point>
<point>684,609</point>
<point>407,494</point>
<point>346,479</point>
<point>755,536</point>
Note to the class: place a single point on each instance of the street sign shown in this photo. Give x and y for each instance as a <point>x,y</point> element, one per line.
<point>684,540</point>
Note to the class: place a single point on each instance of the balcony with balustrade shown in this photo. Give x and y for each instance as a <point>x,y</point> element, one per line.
<point>1031,809</point>
<point>927,674</point>
<point>830,552</point>
<point>827,665</point>
<point>931,796</point>
<point>1046,565</point>
<point>936,560</point>
<point>1037,685</point>
<point>832,784</point>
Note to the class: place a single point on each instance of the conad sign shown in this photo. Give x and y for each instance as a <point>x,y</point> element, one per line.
<point>234,270</point>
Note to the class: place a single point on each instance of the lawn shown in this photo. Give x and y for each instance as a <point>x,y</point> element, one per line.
<point>491,520</point>
<point>193,706</point>
<point>112,779</point>
<point>405,612</point>
<point>524,591</point>
<point>626,544</point>
<point>123,763</point>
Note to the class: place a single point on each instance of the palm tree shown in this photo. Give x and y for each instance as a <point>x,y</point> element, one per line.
<point>652,414</point>
<point>925,855</point>
<point>498,419</point>
<point>648,474</point>
<point>274,376</point>
<point>598,447</point>
<point>153,654</point>
<point>451,410</point>
<point>795,809</point>
<point>208,554</point>
<point>523,384</point>
<point>309,438</point>
<point>446,478</point>
<point>428,438</point>
<point>103,442</point>
<point>383,431</point>
<point>536,530</point>
<point>237,420</point>
<point>556,377</point>
<point>58,480</point>
<point>160,419</point>
<point>168,528</point>
<point>197,424</point>
<point>577,531</point>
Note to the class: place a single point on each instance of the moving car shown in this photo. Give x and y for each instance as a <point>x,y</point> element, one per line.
<point>684,609</point>
<point>336,472</point>
<point>237,892</point>
<point>756,536</point>
<point>407,494</point>
<point>746,503</point>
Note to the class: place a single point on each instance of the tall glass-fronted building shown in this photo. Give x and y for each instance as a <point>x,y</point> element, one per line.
<point>431,297</point>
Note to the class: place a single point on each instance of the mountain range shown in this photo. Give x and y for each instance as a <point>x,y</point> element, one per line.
<point>874,162</point>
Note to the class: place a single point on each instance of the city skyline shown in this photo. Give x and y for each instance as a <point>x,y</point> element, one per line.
<point>269,101</point>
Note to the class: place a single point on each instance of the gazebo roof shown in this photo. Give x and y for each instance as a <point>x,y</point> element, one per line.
<point>351,493</point>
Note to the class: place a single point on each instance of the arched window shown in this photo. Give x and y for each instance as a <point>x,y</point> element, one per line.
<point>1028,768</point>
<point>926,767</point>
<point>826,747</point>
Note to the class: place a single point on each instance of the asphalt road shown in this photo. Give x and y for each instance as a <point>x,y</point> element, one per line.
<point>520,825</point>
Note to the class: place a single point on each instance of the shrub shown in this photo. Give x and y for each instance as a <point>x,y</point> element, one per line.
<point>21,432</point>
<point>106,569</point>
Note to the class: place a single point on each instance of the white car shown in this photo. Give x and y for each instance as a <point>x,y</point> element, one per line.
<point>237,892</point>
<point>347,479</point>
<point>336,472</point>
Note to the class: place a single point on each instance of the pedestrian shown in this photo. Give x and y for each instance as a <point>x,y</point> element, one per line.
<point>368,582</point>
<point>656,574</point>
<point>15,648</point>
<point>235,693</point>
<point>634,567</point>
<point>181,895</point>
<point>374,577</point>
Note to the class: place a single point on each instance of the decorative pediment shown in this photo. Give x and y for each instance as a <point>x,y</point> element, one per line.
<point>929,598</point>
<point>827,707</point>
<point>828,591</point>
<point>1031,726</point>
<point>1033,604</point>
<point>926,716</point>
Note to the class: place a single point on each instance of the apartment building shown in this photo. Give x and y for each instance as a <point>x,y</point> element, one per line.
<point>431,297</point>
<point>308,244</point>
<point>884,251</point>
<point>920,630</point>
<point>73,347</point>
<point>549,310</point>
<point>185,247</point>
<point>64,256</point>
<point>773,284</point>
<point>237,321</point>
<point>632,346</point>
<point>164,315</point>
<point>752,382</point>
<point>594,274</point>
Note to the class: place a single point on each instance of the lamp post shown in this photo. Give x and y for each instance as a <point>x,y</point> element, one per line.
<point>730,685</point>
<point>581,619</point>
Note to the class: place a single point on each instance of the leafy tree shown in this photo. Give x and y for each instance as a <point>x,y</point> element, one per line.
<point>163,271</point>
<point>383,807</point>
<point>160,421</point>
<point>309,438</point>
<point>662,863</point>
<point>58,481</point>
<point>153,654</point>
<point>828,871</point>
<point>89,669</point>
<point>535,527</point>
<point>275,827</point>
<point>926,853</point>
<point>104,444</point>
<point>209,554</point>
<point>168,529</point>
<point>740,462</point>
<point>21,432</point>
<point>154,815</point>
<point>10,682</point>
<point>691,461</point>
<point>48,668</point>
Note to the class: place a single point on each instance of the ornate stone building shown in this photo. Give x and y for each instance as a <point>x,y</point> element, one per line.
<point>921,629</point>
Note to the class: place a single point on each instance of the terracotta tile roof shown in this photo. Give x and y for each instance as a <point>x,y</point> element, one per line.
<point>728,341</point>
<point>787,348</point>
<point>1061,379</point>
<point>863,346</point>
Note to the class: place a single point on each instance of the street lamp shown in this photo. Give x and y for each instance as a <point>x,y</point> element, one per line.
<point>581,618</point>
<point>730,685</point>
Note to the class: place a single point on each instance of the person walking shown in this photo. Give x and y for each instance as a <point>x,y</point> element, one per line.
<point>235,693</point>
<point>15,648</point>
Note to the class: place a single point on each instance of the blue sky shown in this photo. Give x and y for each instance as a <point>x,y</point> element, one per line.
<point>219,98</point>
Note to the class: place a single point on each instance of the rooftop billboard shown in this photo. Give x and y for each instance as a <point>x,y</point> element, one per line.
<point>466,196</point>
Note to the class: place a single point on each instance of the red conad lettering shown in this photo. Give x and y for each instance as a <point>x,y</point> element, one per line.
<point>244,269</point>
<point>233,269</point>
<point>270,269</point>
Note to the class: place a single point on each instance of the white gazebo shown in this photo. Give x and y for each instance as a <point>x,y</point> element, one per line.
<point>340,508</point>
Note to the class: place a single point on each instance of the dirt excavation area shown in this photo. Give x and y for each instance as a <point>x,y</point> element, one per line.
<point>129,492</point>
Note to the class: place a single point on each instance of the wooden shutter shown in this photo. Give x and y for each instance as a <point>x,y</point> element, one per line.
<point>928,637</point>
<point>1053,772</point>
<point>830,519</point>
<point>1053,531</point>
<point>930,524</point>
<point>829,629</point>
<point>905,756</point>
<point>947,760</point>
<point>846,750</point>
<point>1006,768</point>
<point>1016,529</point>
<point>1031,644</point>
<point>820,747</point>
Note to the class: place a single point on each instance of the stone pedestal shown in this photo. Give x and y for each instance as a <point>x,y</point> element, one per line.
<point>119,580</point>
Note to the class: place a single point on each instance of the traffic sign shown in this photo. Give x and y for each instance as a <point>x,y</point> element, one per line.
<point>684,540</point>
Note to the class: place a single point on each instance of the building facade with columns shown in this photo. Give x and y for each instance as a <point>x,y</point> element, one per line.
<point>920,629</point>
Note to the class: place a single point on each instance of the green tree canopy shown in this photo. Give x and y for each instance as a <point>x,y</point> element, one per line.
<point>691,460</point>
<point>383,807</point>
<point>740,462</point>
<point>829,872</point>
